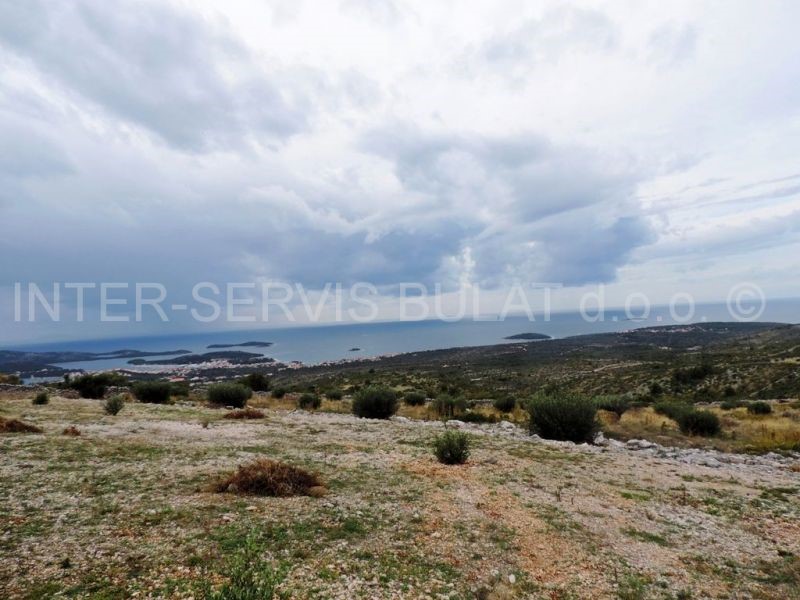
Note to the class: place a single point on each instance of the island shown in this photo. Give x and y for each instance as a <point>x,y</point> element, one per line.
<point>354,350</point>
<point>242,345</point>
<point>528,336</point>
<point>237,358</point>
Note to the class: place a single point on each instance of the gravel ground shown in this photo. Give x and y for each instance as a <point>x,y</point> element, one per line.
<point>122,511</point>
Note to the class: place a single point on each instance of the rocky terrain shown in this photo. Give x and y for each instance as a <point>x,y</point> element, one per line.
<point>122,510</point>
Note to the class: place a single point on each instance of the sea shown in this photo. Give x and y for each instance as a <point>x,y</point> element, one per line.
<point>326,343</point>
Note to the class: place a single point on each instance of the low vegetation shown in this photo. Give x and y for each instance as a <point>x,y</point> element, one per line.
<point>309,401</point>
<point>266,477</point>
<point>71,431</point>
<point>17,426</point>
<point>114,404</point>
<point>229,394</point>
<point>452,447</point>
<point>414,398</point>
<point>759,408</point>
<point>699,422</point>
<point>448,407</point>
<point>152,392</point>
<point>95,385</point>
<point>41,399</point>
<point>258,382</point>
<point>244,413</point>
<point>375,402</point>
<point>563,417</point>
<point>505,404</point>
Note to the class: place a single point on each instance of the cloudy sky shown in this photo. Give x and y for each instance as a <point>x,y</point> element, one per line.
<point>647,146</point>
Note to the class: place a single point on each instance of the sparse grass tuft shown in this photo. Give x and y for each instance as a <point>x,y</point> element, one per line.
<point>265,477</point>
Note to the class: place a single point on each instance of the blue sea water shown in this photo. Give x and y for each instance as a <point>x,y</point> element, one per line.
<point>317,344</point>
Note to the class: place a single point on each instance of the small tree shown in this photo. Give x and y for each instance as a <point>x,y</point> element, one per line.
<point>375,402</point>
<point>258,382</point>
<point>41,399</point>
<point>414,398</point>
<point>699,422</point>
<point>447,406</point>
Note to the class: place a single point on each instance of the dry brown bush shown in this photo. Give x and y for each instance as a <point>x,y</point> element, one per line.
<point>244,413</point>
<point>265,477</point>
<point>17,426</point>
<point>71,430</point>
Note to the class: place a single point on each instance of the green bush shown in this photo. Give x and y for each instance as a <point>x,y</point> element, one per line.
<point>563,417</point>
<point>672,409</point>
<point>615,404</point>
<point>94,386</point>
<point>279,392</point>
<point>41,399</point>
<point>414,398</point>
<point>452,447</point>
<point>309,401</point>
<point>447,406</point>
<point>477,417</point>
<point>731,404</point>
<point>334,394</point>
<point>375,402</point>
<point>152,392</point>
<point>179,388</point>
<point>699,422</point>
<point>505,404</point>
<point>759,408</point>
<point>229,394</point>
<point>114,404</point>
<point>258,382</point>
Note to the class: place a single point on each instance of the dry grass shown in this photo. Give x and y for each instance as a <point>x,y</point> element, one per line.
<point>71,431</point>
<point>17,426</point>
<point>244,413</point>
<point>265,477</point>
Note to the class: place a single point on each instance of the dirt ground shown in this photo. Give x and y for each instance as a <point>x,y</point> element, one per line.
<point>122,511</point>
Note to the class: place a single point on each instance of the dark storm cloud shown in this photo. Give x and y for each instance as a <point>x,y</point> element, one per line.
<point>174,74</point>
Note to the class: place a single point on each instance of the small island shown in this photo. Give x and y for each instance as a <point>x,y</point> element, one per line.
<point>528,336</point>
<point>242,345</point>
<point>354,350</point>
<point>236,358</point>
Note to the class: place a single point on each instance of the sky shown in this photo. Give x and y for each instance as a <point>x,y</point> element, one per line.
<point>648,147</point>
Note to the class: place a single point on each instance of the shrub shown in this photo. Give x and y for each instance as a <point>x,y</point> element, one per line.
<point>616,404</point>
<point>152,392</point>
<point>447,406</point>
<point>699,422</point>
<point>17,426</point>
<point>309,401</point>
<point>414,398</point>
<point>41,399</point>
<point>244,413</point>
<point>258,382</point>
<point>563,417</point>
<point>71,431</point>
<point>229,394</point>
<point>505,404</point>
<point>731,404</point>
<point>759,408</point>
<point>94,386</point>
<point>375,402</point>
<point>179,388</point>
<point>10,379</point>
<point>279,392</point>
<point>265,477</point>
<point>334,394</point>
<point>114,404</point>
<point>672,409</point>
<point>477,417</point>
<point>452,447</point>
